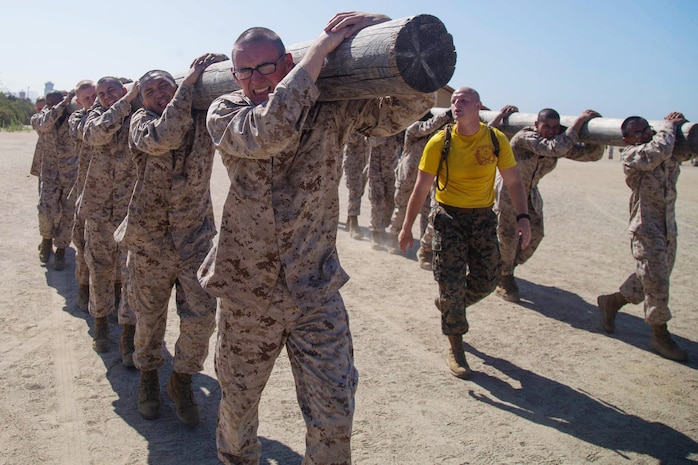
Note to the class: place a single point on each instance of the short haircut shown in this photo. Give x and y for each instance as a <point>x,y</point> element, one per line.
<point>55,94</point>
<point>548,113</point>
<point>261,34</point>
<point>109,79</point>
<point>156,74</point>
<point>84,84</point>
<point>627,122</point>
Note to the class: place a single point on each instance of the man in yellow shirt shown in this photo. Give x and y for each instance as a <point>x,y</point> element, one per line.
<point>466,251</point>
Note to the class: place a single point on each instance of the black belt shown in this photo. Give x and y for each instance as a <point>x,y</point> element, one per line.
<point>466,210</point>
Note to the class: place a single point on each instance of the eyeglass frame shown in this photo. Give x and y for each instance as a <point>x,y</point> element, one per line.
<point>258,69</point>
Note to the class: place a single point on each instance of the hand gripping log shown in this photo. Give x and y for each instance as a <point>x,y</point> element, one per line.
<point>397,57</point>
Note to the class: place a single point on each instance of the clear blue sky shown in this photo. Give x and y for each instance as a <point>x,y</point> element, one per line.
<point>619,57</point>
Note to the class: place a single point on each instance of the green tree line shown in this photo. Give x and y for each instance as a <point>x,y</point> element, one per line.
<point>14,112</point>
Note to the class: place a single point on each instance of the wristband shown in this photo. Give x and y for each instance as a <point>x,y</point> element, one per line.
<point>522,216</point>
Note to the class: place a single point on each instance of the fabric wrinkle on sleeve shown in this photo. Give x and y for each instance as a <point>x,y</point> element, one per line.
<point>241,129</point>
<point>159,134</point>
<point>646,157</point>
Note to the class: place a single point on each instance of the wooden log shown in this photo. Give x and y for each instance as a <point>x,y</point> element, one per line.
<point>392,58</point>
<point>603,131</point>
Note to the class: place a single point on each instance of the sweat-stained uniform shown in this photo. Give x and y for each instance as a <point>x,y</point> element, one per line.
<point>59,166</point>
<point>107,191</point>
<point>382,162</point>
<point>76,125</point>
<point>355,157</point>
<point>466,253</point>
<point>168,232</point>
<point>276,267</point>
<point>651,171</point>
<point>536,156</point>
<point>416,136</point>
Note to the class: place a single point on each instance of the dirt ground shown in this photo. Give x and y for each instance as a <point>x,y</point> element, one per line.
<point>549,387</point>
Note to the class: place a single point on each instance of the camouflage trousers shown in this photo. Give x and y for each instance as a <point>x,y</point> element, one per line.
<point>381,187</point>
<point>655,257</point>
<point>318,342</point>
<point>82,273</point>
<point>509,246</point>
<point>466,262</point>
<point>153,275</point>
<point>404,184</point>
<point>355,161</point>
<point>106,262</point>
<point>56,211</point>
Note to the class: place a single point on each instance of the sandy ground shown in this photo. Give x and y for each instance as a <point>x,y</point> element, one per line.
<point>549,387</point>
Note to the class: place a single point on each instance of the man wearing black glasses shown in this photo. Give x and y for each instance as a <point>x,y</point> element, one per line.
<point>275,267</point>
<point>651,169</point>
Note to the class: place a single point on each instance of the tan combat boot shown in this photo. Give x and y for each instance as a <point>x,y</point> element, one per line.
<point>179,390</point>
<point>353,227</point>
<point>59,260</point>
<point>126,344</point>
<point>609,305</point>
<point>393,246</point>
<point>424,258</point>
<point>507,288</point>
<point>83,297</point>
<point>456,358</point>
<point>45,249</point>
<point>149,395</point>
<point>100,341</point>
<point>664,345</point>
<point>377,240</point>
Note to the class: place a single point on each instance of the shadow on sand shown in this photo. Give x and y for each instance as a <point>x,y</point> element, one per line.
<point>570,308</point>
<point>551,404</point>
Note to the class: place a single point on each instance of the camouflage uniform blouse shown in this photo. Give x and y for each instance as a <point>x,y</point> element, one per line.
<point>282,209</point>
<point>111,173</point>
<point>173,153</point>
<point>651,171</point>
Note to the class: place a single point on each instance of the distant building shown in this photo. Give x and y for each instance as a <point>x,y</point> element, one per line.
<point>22,95</point>
<point>48,87</point>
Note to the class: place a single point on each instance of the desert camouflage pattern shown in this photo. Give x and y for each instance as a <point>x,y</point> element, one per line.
<point>168,232</point>
<point>76,126</point>
<point>35,169</point>
<point>59,164</point>
<point>251,335</point>
<point>382,163</point>
<point>464,245</point>
<point>416,136</point>
<point>536,156</point>
<point>276,267</point>
<point>652,171</point>
<point>355,158</point>
<point>106,193</point>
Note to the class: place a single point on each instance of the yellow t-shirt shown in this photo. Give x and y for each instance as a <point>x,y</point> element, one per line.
<point>471,166</point>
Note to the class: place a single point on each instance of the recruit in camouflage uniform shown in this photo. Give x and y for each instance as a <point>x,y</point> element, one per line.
<point>276,267</point>
<point>416,137</point>
<point>168,232</point>
<point>82,274</point>
<point>536,155</point>
<point>108,187</point>
<point>382,162</point>
<point>59,165</point>
<point>85,95</point>
<point>651,167</point>
<point>355,158</point>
